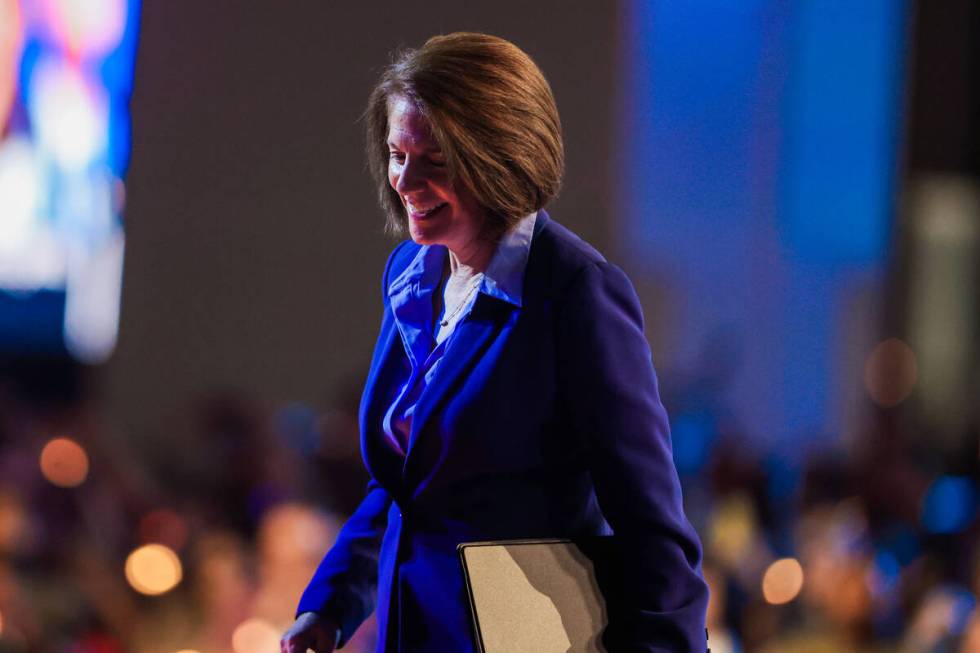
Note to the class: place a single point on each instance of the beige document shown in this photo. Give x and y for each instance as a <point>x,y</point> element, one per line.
<point>534,596</point>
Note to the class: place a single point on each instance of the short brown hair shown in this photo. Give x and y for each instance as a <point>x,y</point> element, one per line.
<point>493,114</point>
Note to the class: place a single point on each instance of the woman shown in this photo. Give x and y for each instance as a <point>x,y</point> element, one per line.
<point>511,392</point>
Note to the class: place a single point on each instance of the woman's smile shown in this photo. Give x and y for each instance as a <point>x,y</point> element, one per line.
<point>421,212</point>
<point>440,211</point>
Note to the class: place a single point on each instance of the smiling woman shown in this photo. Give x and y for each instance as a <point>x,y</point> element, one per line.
<point>439,211</point>
<point>488,111</point>
<point>511,394</point>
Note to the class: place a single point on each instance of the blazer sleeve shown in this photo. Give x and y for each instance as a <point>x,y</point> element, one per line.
<point>344,587</point>
<point>610,394</point>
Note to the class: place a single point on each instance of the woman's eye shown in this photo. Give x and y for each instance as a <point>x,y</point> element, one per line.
<point>437,163</point>
<point>396,156</point>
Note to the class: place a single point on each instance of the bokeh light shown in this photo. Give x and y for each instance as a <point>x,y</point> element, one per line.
<point>782,581</point>
<point>732,531</point>
<point>255,636</point>
<point>69,115</point>
<point>949,505</point>
<point>290,541</point>
<point>64,462</point>
<point>86,27</point>
<point>221,567</point>
<point>153,569</point>
<point>20,192</point>
<point>293,533</point>
<point>187,650</point>
<point>10,43</point>
<point>890,372</point>
<point>65,80</point>
<point>13,522</point>
<point>971,634</point>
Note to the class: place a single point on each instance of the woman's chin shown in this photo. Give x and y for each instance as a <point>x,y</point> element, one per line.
<point>423,233</point>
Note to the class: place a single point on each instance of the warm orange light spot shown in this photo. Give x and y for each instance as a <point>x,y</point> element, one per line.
<point>782,581</point>
<point>255,636</point>
<point>13,522</point>
<point>11,35</point>
<point>292,533</point>
<point>187,650</point>
<point>890,372</point>
<point>64,463</point>
<point>1,623</point>
<point>732,530</point>
<point>153,569</point>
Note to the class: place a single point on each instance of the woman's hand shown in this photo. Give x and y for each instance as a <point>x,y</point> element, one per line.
<point>310,631</point>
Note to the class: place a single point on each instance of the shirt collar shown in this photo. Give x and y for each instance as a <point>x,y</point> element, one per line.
<point>424,270</point>
<point>503,278</point>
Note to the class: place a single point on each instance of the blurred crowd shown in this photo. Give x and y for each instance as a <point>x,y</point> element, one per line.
<point>859,546</point>
<point>198,538</point>
<point>201,537</point>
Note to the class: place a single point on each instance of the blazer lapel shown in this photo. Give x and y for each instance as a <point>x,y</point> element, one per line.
<point>471,339</point>
<point>473,336</point>
<point>372,407</point>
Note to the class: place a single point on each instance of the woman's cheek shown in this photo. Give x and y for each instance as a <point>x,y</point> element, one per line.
<point>392,175</point>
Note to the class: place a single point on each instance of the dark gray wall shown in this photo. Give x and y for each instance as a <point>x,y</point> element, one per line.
<point>254,246</point>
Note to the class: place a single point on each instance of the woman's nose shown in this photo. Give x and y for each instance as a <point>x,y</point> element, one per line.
<point>410,178</point>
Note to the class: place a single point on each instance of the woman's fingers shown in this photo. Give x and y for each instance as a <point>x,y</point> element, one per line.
<point>293,642</point>
<point>300,636</point>
<point>309,632</point>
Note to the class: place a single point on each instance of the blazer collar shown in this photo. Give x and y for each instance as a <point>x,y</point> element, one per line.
<point>503,278</point>
<point>473,337</point>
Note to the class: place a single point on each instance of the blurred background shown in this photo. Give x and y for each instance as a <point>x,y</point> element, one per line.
<point>793,187</point>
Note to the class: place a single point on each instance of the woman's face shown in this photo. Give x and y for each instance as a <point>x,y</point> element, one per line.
<point>439,213</point>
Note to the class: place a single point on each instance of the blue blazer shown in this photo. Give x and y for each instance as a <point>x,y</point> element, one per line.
<point>541,421</point>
